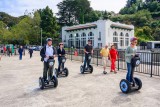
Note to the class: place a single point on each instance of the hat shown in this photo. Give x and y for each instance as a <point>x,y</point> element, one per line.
<point>49,39</point>
<point>133,39</point>
<point>89,40</point>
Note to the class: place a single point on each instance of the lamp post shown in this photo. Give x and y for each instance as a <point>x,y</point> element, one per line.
<point>41,36</point>
<point>74,40</point>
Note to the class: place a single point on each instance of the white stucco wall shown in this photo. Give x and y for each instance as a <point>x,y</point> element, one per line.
<point>103,26</point>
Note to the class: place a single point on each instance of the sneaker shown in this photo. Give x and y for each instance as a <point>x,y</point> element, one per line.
<point>115,72</point>
<point>104,72</point>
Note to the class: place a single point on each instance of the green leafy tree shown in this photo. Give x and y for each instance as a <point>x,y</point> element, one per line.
<point>49,23</point>
<point>73,12</point>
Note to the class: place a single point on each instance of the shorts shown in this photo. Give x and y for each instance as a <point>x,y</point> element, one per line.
<point>105,61</point>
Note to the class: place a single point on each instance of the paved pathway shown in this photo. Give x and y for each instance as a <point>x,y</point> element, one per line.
<point>19,87</point>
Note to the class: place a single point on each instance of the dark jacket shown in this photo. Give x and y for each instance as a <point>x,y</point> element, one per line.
<point>61,52</point>
<point>20,51</point>
<point>31,51</point>
<point>43,53</point>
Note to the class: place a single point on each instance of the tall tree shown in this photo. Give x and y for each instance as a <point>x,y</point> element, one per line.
<point>73,11</point>
<point>49,23</point>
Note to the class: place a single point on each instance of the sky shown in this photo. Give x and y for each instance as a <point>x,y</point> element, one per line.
<point>18,7</point>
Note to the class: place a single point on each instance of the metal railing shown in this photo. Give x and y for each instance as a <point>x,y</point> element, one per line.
<point>150,61</point>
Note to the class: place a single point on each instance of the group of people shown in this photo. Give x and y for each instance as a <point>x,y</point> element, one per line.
<point>7,50</point>
<point>109,55</point>
<point>106,54</point>
<point>48,51</point>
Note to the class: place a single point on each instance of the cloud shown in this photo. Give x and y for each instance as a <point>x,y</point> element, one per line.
<point>108,5</point>
<point>18,7</point>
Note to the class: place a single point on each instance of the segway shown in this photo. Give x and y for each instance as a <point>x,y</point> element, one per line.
<point>88,67</point>
<point>51,79</point>
<point>136,83</point>
<point>63,70</point>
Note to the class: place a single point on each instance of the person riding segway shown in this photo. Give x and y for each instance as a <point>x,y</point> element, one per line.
<point>47,54</point>
<point>88,50</point>
<point>61,61</point>
<point>132,60</point>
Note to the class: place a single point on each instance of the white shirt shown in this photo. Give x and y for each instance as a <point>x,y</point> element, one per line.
<point>49,52</point>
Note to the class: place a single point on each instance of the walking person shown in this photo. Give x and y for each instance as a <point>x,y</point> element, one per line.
<point>105,57</point>
<point>4,50</point>
<point>114,56</point>
<point>30,52</point>
<point>129,54</point>
<point>20,51</point>
<point>10,51</point>
<point>60,52</point>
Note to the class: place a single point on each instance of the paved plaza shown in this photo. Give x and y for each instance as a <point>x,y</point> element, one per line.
<point>19,87</point>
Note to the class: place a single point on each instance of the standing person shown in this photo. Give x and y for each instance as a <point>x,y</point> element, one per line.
<point>45,53</point>
<point>1,52</point>
<point>114,56</point>
<point>30,52</point>
<point>76,52</point>
<point>129,54</point>
<point>4,50</point>
<point>20,51</point>
<point>10,51</point>
<point>105,57</point>
<point>88,49</point>
<point>60,52</point>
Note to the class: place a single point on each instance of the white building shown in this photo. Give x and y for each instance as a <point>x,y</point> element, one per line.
<point>100,32</point>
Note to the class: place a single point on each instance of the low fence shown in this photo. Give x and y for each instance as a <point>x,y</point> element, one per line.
<point>150,62</point>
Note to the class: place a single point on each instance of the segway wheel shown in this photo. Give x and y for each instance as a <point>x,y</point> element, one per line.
<point>91,68</point>
<point>66,72</point>
<point>56,72</point>
<point>125,86</point>
<point>41,83</point>
<point>104,72</point>
<point>138,82</point>
<point>55,81</point>
<point>81,69</point>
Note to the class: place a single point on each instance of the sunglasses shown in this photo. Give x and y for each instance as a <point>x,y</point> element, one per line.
<point>61,44</point>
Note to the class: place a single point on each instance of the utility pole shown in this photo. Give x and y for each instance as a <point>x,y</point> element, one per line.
<point>41,36</point>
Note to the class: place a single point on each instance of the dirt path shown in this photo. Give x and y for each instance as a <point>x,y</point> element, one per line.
<point>19,87</point>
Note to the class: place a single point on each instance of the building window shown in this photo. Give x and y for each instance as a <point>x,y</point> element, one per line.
<point>83,39</point>
<point>115,37</point>
<point>91,37</point>
<point>115,34</point>
<point>77,35</point>
<point>127,35</point>
<point>71,41</point>
<point>127,41</point>
<point>99,36</point>
<point>99,45</point>
<point>121,34</point>
<point>121,41</point>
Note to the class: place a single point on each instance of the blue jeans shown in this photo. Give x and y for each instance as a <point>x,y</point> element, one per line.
<point>20,56</point>
<point>129,72</point>
<point>86,61</point>
<point>59,63</point>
